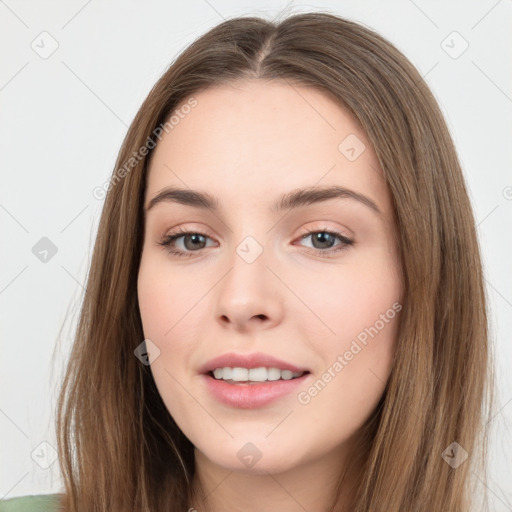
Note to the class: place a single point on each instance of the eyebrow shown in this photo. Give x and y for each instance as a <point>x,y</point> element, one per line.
<point>290,200</point>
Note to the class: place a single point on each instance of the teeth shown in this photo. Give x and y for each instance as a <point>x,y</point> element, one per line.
<point>260,374</point>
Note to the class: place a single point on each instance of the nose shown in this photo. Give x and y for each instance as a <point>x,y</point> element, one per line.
<point>249,296</point>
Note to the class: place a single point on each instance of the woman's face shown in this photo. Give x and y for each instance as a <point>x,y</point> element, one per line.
<point>248,281</point>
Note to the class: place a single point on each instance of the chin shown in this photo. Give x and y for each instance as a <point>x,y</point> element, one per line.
<point>251,458</point>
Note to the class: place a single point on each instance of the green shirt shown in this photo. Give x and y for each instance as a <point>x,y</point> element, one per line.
<point>35,503</point>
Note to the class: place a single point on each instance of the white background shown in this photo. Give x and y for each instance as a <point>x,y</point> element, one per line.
<point>63,119</point>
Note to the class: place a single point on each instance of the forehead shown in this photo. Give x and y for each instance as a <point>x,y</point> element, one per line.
<point>250,140</point>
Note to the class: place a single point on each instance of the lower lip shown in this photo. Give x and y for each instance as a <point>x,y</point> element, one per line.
<point>252,396</point>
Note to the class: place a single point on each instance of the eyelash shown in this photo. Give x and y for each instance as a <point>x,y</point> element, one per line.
<point>179,233</point>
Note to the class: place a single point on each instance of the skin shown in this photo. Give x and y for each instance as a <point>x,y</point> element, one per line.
<point>247,144</point>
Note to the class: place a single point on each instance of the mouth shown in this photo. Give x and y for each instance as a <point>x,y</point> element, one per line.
<point>250,381</point>
<point>252,376</point>
<point>253,394</point>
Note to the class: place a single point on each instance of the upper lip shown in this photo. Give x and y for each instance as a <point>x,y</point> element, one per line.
<point>254,360</point>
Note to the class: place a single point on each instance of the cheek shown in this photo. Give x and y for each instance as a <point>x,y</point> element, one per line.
<point>354,333</point>
<point>167,298</point>
<point>163,304</point>
<point>348,300</point>
<point>170,304</point>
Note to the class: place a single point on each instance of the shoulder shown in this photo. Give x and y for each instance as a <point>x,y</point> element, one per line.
<point>34,503</point>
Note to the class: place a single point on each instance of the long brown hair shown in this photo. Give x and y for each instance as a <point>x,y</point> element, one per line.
<point>119,448</point>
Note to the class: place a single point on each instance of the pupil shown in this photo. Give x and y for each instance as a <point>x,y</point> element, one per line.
<point>194,238</point>
<point>321,237</point>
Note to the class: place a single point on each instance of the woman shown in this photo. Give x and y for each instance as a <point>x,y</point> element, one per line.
<point>285,305</point>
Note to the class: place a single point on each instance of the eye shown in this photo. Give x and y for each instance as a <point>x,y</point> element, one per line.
<point>196,242</point>
<point>323,241</point>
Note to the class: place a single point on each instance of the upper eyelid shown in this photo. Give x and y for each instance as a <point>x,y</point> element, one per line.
<point>306,232</point>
